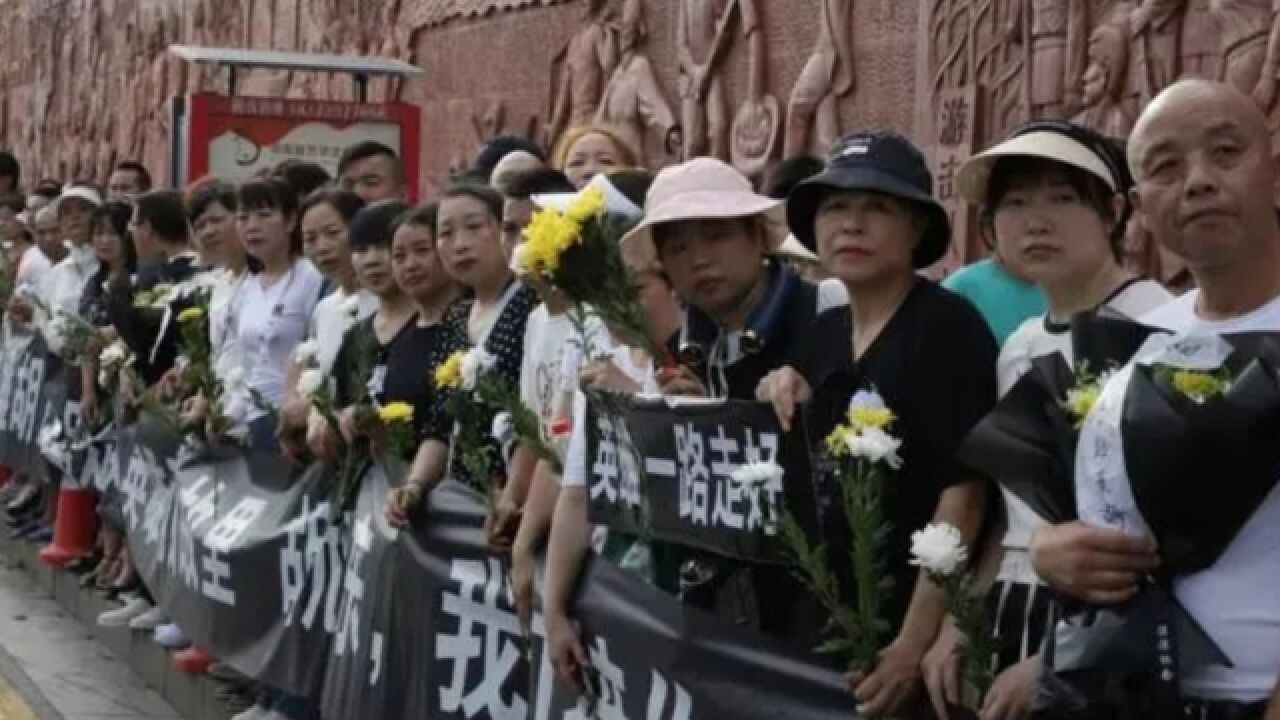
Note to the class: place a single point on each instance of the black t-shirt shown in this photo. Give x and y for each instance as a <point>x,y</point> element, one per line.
<point>401,370</point>
<point>140,328</point>
<point>934,364</point>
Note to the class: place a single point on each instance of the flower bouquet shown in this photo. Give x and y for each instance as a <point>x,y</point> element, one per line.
<point>578,252</point>
<point>865,453</point>
<point>1201,411</point>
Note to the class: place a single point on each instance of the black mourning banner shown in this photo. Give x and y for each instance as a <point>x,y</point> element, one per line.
<point>33,392</point>
<point>243,551</point>
<point>666,471</point>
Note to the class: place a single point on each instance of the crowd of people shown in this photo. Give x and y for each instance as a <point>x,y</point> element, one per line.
<point>801,293</point>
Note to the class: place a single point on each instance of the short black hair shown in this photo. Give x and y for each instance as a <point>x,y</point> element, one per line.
<point>344,202</point>
<point>784,176</point>
<point>373,226</point>
<point>367,149</point>
<point>422,215</point>
<point>539,181</point>
<point>144,177</point>
<point>1096,194</point>
<point>10,168</point>
<point>490,198</point>
<point>115,215</point>
<point>206,193</point>
<point>165,212</point>
<point>271,193</point>
<point>496,148</point>
<point>14,201</point>
<point>304,177</point>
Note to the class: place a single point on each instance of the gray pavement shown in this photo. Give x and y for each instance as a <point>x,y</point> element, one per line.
<point>57,666</point>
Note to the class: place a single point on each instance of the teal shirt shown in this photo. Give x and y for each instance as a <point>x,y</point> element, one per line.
<point>1003,300</point>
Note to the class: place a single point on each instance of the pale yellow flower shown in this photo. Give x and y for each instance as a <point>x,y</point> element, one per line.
<point>449,373</point>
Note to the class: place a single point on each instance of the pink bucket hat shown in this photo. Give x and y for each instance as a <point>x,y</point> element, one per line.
<point>701,189</point>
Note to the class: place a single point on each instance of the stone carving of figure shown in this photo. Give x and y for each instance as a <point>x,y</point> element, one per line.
<point>827,76</point>
<point>1251,47</point>
<point>1199,47</point>
<point>580,69</point>
<point>1055,40</point>
<point>754,132</point>
<point>702,36</point>
<point>632,100</point>
<point>1155,28</point>
<point>1105,103</point>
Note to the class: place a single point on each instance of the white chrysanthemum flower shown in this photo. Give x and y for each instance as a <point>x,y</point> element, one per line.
<point>867,399</point>
<point>476,361</point>
<point>503,429</point>
<point>309,382</point>
<point>756,475</point>
<point>939,549</point>
<point>875,445</point>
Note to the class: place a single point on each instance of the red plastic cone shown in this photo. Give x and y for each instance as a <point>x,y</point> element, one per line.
<point>75,527</point>
<point>192,661</point>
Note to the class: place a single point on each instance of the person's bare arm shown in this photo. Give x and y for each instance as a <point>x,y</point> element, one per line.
<point>898,674</point>
<point>568,546</point>
<point>424,475</point>
<point>539,508</point>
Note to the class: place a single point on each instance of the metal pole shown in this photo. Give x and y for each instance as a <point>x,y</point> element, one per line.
<point>231,80</point>
<point>362,87</point>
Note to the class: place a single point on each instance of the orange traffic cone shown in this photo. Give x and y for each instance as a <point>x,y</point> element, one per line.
<point>192,661</point>
<point>74,528</point>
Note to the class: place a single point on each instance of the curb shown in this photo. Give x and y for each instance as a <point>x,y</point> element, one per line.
<point>192,697</point>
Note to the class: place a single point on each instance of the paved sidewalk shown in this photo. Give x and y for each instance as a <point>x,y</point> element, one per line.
<point>58,669</point>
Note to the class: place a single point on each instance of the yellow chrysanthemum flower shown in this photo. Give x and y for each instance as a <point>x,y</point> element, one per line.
<point>547,236</point>
<point>1080,401</point>
<point>449,373</point>
<point>191,314</point>
<point>1198,386</point>
<point>588,204</point>
<point>396,412</point>
<point>838,440</point>
<point>870,417</point>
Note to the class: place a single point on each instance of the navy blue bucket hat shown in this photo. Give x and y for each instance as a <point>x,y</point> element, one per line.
<point>880,162</point>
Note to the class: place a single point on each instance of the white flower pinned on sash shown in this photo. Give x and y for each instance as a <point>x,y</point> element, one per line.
<point>757,475</point>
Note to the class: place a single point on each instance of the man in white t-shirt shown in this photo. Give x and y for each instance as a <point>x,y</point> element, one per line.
<point>1201,156</point>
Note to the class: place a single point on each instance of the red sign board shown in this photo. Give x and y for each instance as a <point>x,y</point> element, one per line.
<point>236,137</point>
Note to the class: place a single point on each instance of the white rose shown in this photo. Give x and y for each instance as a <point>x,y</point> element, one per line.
<point>939,549</point>
<point>307,351</point>
<point>476,361</point>
<point>351,306</point>
<point>309,382</point>
<point>758,475</point>
<point>875,445</point>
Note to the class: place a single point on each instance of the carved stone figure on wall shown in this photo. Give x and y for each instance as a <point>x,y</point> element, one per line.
<point>1244,64</point>
<point>827,76</point>
<point>1055,37</point>
<point>1199,47</point>
<point>632,100</point>
<point>580,70</point>
<point>702,37</point>
<point>754,132</point>
<point>1106,107</point>
<point>1155,28</point>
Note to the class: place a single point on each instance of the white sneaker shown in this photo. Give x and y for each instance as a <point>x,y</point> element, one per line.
<point>121,617</point>
<point>149,620</point>
<point>255,712</point>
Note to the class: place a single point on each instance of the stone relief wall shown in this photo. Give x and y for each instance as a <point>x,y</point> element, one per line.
<point>86,82</point>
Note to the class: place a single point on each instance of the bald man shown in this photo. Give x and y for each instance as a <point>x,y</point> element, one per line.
<point>1201,158</point>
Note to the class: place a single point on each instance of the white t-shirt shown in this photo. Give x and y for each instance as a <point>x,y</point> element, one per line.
<point>62,287</point>
<point>1035,338</point>
<point>329,323</point>
<point>32,267</point>
<point>1235,600</point>
<point>553,357</point>
<point>273,320</point>
<point>575,459</point>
